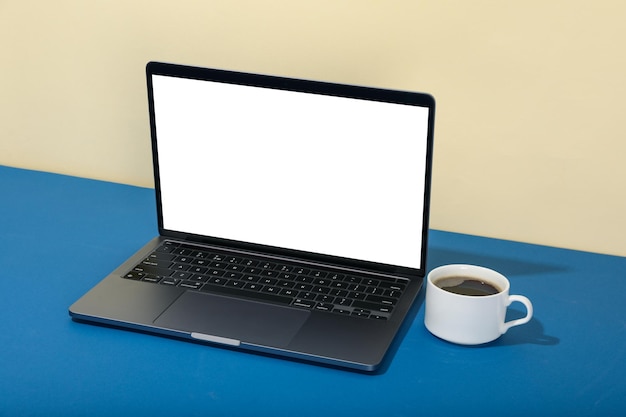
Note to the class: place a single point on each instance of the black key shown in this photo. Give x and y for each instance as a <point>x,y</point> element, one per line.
<point>253,286</point>
<point>321,290</point>
<point>200,262</point>
<point>250,278</point>
<point>267,265</point>
<point>161,256</point>
<point>321,282</point>
<point>235,267</point>
<point>287,276</point>
<point>380,300</point>
<point>270,289</point>
<point>184,259</point>
<point>262,296</point>
<point>152,270</point>
<point>318,274</point>
<point>300,302</point>
<point>357,295</point>
<point>303,287</point>
<point>344,302</point>
<point>182,275</point>
<point>200,254</point>
<point>180,267</point>
<point>335,277</point>
<point>249,262</point>
<point>392,285</point>
<point>269,273</point>
<point>235,283</point>
<point>324,307</point>
<point>392,293</point>
<point>155,263</point>
<point>215,272</point>
<point>307,296</point>
<point>338,293</point>
<point>370,282</point>
<point>301,271</point>
<point>198,277</point>
<point>378,308</point>
<point>193,285</point>
<point>233,275</point>
<point>268,281</point>
<point>326,299</point>
<point>356,287</point>
<point>135,275</point>
<point>170,281</point>
<point>218,265</point>
<point>217,280</point>
<point>167,247</point>
<point>151,278</point>
<point>198,270</point>
<point>288,292</point>
<point>375,290</point>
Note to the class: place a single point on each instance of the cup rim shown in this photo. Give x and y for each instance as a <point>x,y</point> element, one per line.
<point>475,271</point>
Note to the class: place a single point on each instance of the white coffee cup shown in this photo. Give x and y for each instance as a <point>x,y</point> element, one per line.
<point>469,319</point>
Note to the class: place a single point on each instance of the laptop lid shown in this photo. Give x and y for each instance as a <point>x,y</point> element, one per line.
<point>320,171</point>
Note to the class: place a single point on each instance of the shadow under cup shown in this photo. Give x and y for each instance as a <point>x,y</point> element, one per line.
<point>471,307</point>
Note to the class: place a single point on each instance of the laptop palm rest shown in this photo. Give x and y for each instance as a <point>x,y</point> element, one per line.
<point>226,320</point>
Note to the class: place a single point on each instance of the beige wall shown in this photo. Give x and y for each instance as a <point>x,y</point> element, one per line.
<point>530,137</point>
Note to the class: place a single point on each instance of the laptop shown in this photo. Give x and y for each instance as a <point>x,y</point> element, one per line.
<point>292,217</point>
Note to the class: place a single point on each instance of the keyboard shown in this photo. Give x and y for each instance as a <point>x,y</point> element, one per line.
<point>203,269</point>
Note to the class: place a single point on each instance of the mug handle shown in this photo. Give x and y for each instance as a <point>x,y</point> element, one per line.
<point>523,320</point>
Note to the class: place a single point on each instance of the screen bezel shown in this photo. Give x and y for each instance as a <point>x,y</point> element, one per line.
<point>305,86</point>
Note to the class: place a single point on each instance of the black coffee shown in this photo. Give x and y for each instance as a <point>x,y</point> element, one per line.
<point>466,286</point>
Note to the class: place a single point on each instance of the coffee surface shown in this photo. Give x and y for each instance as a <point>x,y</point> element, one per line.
<point>466,286</point>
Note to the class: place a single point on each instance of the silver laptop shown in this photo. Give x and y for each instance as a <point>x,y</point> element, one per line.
<point>293,217</point>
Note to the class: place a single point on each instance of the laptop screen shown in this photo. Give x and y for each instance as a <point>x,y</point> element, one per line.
<point>327,174</point>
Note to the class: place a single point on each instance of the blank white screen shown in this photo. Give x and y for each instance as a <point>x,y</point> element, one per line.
<point>323,174</point>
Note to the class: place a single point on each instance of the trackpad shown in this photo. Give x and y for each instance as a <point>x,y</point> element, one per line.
<point>245,321</point>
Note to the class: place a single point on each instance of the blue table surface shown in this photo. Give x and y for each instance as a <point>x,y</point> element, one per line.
<point>60,235</point>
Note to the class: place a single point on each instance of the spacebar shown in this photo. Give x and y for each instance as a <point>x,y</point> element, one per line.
<point>261,296</point>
